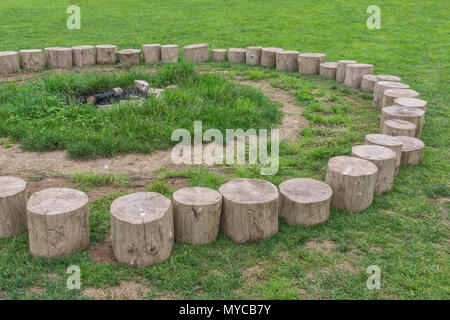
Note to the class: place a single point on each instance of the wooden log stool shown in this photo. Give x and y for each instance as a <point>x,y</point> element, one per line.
<point>412,151</point>
<point>250,209</point>
<point>129,56</point>
<point>106,54</point>
<point>151,52</point>
<point>269,57</point>
<point>287,60</point>
<point>391,94</point>
<point>411,103</point>
<point>352,181</point>
<point>327,70</point>
<point>389,142</point>
<point>9,62</point>
<point>13,207</point>
<point>253,55</point>
<point>58,57</point>
<point>196,52</point>
<point>414,115</point>
<point>341,68</point>
<point>387,77</point>
<point>368,83</point>
<point>169,53</point>
<point>32,59</point>
<point>354,73</point>
<point>196,213</point>
<point>381,87</point>
<point>309,63</point>
<point>305,201</point>
<point>142,228</point>
<point>219,55</point>
<point>396,127</point>
<point>58,222</point>
<point>83,56</point>
<point>385,159</point>
<point>237,55</point>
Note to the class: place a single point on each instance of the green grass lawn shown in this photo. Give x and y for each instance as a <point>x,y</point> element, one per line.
<point>405,232</point>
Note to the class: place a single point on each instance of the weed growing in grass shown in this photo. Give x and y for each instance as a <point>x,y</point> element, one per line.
<point>88,181</point>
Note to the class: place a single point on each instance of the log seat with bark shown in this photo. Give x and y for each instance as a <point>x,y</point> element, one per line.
<point>354,73</point>
<point>381,87</point>
<point>269,57</point>
<point>169,53</point>
<point>13,207</point>
<point>341,68</point>
<point>384,158</point>
<point>287,60</point>
<point>396,127</point>
<point>58,57</point>
<point>250,209</point>
<point>32,59</point>
<point>253,55</point>
<point>151,52</point>
<point>368,83</point>
<point>352,181</point>
<point>237,55</point>
<point>305,201</point>
<point>327,70</point>
<point>414,115</point>
<point>129,56</point>
<point>389,142</point>
<point>309,63</point>
<point>391,94</point>
<point>58,222</point>
<point>219,55</point>
<point>142,231</point>
<point>106,53</point>
<point>83,56</point>
<point>196,52</point>
<point>387,77</point>
<point>9,62</point>
<point>196,213</point>
<point>411,103</point>
<point>412,151</point>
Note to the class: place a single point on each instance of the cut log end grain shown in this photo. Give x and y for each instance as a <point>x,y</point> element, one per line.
<point>32,59</point>
<point>219,55</point>
<point>250,209</point>
<point>354,73</point>
<point>414,115</point>
<point>391,94</point>
<point>13,207</point>
<point>352,181</point>
<point>396,127</point>
<point>58,57</point>
<point>196,52</point>
<point>83,56</point>
<point>253,55</point>
<point>368,82</point>
<point>169,53</point>
<point>287,60</point>
<point>384,158</point>
<point>388,142</point>
<point>269,57</point>
<point>237,55</point>
<point>381,87</point>
<point>305,201</point>
<point>129,56</point>
<point>58,222</point>
<point>341,68</point>
<point>309,63</point>
<point>387,77</point>
<point>327,70</point>
<point>196,215</point>
<point>142,230</point>
<point>410,103</point>
<point>412,150</point>
<point>151,52</point>
<point>106,54</point>
<point>9,62</point>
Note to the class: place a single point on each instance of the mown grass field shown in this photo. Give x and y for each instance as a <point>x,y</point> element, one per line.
<point>405,232</point>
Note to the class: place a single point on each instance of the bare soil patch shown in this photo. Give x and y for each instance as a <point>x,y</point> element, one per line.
<point>127,290</point>
<point>102,252</point>
<point>325,246</point>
